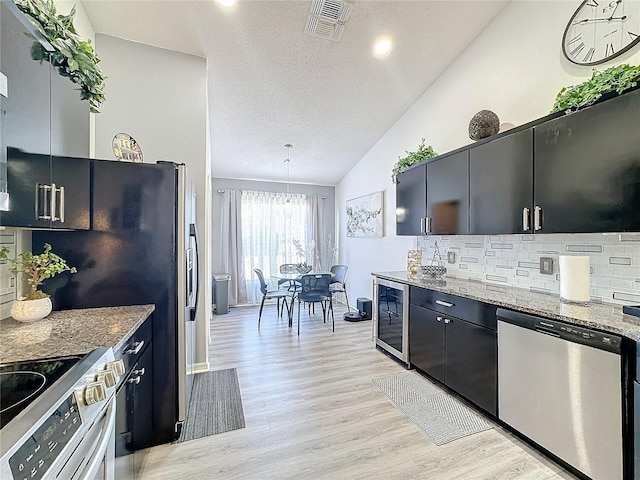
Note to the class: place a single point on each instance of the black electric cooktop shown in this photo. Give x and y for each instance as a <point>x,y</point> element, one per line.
<point>21,383</point>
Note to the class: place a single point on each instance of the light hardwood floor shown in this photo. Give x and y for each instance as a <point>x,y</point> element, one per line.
<point>312,412</point>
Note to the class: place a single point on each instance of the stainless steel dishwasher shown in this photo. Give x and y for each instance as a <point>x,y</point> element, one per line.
<point>561,386</point>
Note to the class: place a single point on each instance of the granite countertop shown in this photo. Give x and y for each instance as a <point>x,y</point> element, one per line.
<point>603,316</point>
<point>70,332</point>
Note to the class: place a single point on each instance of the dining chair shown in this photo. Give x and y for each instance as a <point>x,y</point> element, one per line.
<point>291,285</point>
<point>270,294</point>
<point>314,288</point>
<point>338,283</point>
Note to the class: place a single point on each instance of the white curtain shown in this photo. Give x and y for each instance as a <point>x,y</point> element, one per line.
<point>270,224</point>
<point>231,259</point>
<point>315,232</point>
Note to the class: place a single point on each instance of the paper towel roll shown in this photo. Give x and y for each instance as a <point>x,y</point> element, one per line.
<point>575,280</point>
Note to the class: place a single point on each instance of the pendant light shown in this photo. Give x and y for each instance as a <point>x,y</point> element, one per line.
<point>287,161</point>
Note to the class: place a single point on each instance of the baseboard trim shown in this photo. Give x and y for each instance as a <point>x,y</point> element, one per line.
<point>201,367</point>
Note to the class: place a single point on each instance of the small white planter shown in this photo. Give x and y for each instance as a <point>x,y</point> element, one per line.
<point>31,310</point>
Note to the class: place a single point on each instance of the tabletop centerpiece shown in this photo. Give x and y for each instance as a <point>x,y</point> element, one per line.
<point>36,304</point>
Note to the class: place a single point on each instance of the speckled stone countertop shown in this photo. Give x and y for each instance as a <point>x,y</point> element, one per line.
<point>70,332</point>
<point>602,316</point>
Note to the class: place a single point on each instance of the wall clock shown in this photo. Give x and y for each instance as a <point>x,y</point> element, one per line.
<point>601,30</point>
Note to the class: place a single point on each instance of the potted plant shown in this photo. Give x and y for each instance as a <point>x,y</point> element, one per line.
<point>72,56</point>
<point>612,81</point>
<point>423,153</point>
<point>304,252</point>
<point>36,304</point>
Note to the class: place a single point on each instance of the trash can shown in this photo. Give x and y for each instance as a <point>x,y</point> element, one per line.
<point>221,292</point>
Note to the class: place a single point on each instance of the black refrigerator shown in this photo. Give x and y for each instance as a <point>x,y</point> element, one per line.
<point>141,249</point>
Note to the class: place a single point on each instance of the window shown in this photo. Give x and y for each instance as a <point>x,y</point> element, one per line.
<point>270,224</point>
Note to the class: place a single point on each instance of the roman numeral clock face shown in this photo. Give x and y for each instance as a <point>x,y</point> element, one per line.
<point>601,30</point>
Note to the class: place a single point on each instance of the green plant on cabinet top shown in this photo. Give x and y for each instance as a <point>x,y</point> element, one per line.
<point>423,153</point>
<point>615,79</point>
<point>73,57</point>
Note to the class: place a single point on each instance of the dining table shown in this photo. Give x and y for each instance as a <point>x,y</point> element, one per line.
<point>292,277</point>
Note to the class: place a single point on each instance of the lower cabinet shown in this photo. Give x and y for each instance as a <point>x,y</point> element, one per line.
<point>460,354</point>
<point>134,409</point>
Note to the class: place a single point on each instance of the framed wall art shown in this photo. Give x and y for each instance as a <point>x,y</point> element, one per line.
<point>365,216</point>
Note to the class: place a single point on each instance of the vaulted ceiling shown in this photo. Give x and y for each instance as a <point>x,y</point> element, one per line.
<point>270,84</point>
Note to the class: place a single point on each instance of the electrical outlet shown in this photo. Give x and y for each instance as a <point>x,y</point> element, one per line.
<point>451,257</point>
<point>546,265</point>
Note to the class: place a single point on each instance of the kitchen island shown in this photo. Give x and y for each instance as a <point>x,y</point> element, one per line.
<point>70,332</point>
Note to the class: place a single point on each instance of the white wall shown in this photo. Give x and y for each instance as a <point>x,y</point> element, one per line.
<point>159,98</point>
<point>515,68</point>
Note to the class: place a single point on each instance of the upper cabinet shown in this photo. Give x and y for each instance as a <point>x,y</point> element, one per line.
<point>562,174</point>
<point>587,169</point>
<point>433,198</point>
<point>69,118</point>
<point>411,201</point>
<point>47,192</point>
<point>45,135</point>
<point>26,107</point>
<point>501,185</point>
<point>448,195</point>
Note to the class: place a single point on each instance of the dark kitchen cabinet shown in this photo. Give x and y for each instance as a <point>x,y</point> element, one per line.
<point>587,169</point>
<point>462,354</point>
<point>426,341</point>
<point>471,356</point>
<point>501,185</point>
<point>47,192</point>
<point>42,117</point>
<point>26,120</point>
<point>134,421</point>
<point>448,195</point>
<point>411,201</point>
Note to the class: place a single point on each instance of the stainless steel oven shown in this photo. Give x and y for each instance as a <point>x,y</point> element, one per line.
<point>58,418</point>
<point>391,317</point>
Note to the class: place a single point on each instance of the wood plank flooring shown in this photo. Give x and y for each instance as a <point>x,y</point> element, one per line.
<point>312,412</point>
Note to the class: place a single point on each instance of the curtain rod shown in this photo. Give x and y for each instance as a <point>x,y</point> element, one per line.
<point>221,190</point>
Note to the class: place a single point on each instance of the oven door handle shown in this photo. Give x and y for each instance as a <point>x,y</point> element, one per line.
<point>94,464</point>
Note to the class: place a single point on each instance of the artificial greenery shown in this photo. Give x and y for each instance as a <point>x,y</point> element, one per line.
<point>37,268</point>
<point>423,153</point>
<point>618,79</point>
<point>73,57</point>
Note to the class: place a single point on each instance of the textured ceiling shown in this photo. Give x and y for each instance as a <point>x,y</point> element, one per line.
<point>270,84</point>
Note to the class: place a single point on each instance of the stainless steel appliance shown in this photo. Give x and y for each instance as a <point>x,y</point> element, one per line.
<point>58,417</point>
<point>142,249</point>
<point>561,386</point>
<point>391,317</point>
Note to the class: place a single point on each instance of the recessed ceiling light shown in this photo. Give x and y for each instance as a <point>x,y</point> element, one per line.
<point>227,3</point>
<point>382,46</point>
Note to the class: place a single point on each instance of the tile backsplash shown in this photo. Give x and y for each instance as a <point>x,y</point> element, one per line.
<point>515,260</point>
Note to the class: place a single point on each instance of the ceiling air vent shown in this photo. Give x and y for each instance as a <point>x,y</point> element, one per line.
<point>327,19</point>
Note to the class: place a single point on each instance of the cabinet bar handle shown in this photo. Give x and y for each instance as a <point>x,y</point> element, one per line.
<point>525,220</point>
<point>537,218</point>
<point>37,201</point>
<point>423,228</point>
<point>439,319</point>
<point>444,304</point>
<point>52,198</point>
<point>446,320</point>
<point>46,213</point>
<point>134,380</point>
<point>61,206</point>
<point>139,372</point>
<point>137,346</point>
<point>428,224</point>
